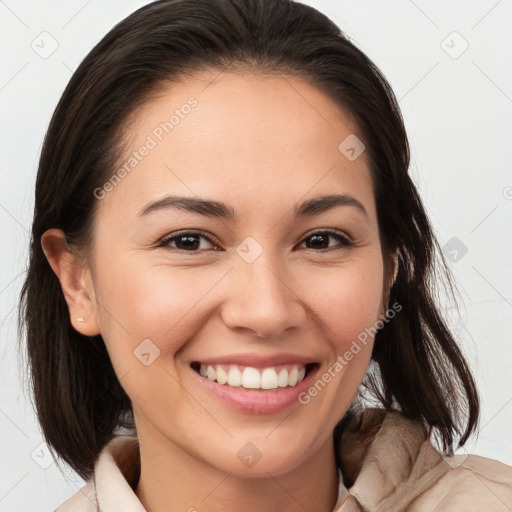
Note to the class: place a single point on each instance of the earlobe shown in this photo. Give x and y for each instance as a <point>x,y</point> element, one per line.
<point>75,280</point>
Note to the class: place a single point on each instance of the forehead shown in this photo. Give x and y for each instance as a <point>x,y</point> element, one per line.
<point>243,137</point>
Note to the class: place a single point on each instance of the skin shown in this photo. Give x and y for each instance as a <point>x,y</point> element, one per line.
<point>261,144</point>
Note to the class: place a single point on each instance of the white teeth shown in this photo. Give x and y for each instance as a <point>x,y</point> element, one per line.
<point>282,378</point>
<point>211,373</point>
<point>222,376</point>
<point>269,379</point>
<point>292,378</point>
<point>234,377</point>
<point>251,378</point>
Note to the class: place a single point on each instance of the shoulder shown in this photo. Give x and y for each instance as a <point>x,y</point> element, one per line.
<point>469,481</point>
<point>389,463</point>
<point>83,501</point>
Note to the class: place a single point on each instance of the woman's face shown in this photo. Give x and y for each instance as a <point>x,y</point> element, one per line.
<point>240,275</point>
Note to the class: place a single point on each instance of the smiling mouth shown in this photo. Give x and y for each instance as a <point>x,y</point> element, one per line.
<point>248,377</point>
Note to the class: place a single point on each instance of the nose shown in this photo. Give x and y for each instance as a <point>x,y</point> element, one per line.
<point>262,300</point>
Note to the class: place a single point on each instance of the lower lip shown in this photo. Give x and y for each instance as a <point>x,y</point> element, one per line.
<point>257,401</point>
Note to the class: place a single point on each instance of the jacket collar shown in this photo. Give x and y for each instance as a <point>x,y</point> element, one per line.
<point>387,461</point>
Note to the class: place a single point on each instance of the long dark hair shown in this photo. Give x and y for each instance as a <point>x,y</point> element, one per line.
<point>417,366</point>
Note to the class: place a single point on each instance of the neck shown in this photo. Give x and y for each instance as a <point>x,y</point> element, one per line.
<point>173,479</point>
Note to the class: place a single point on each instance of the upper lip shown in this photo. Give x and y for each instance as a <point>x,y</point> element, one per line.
<point>258,360</point>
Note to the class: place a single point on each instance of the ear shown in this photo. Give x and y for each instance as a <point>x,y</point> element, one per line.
<point>75,280</point>
<point>390,279</point>
<point>395,266</point>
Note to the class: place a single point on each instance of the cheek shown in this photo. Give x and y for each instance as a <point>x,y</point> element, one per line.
<point>346,301</point>
<point>151,303</point>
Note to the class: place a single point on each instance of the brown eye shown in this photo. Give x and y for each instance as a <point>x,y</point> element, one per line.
<point>320,240</point>
<point>187,241</point>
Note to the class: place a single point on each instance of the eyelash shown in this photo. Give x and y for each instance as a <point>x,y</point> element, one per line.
<point>343,240</point>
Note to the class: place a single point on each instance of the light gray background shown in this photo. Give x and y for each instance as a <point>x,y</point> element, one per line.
<point>457,109</point>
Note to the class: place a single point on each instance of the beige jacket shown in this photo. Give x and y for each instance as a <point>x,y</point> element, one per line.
<point>387,463</point>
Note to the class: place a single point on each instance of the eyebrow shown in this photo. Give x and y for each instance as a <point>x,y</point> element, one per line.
<point>217,209</point>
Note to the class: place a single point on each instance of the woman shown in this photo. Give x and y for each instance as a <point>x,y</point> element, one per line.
<point>228,258</point>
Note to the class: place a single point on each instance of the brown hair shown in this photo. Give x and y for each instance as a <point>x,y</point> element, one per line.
<point>416,367</point>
